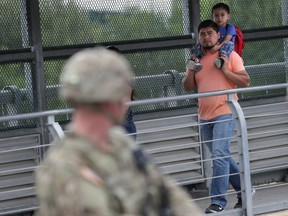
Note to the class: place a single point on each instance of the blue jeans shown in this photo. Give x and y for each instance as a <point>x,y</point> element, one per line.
<point>197,51</point>
<point>226,50</point>
<point>218,132</point>
<point>130,128</point>
<point>129,124</point>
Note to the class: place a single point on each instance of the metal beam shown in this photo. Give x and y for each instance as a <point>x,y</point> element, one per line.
<point>20,56</point>
<point>38,76</point>
<point>125,47</point>
<point>266,34</point>
<point>36,46</point>
<point>194,15</point>
<point>137,46</point>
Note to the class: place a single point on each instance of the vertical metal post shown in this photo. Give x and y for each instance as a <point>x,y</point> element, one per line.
<point>54,128</point>
<point>39,86</point>
<point>243,153</point>
<point>194,17</point>
<point>186,27</point>
<point>25,44</point>
<point>33,12</point>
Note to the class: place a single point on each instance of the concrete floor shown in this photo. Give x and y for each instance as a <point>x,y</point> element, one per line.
<point>281,213</point>
<point>267,199</point>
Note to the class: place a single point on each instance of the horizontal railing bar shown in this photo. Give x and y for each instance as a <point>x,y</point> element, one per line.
<point>36,115</point>
<point>151,101</point>
<point>267,132</point>
<point>268,114</point>
<point>22,210</point>
<point>208,94</point>
<point>183,41</point>
<point>166,80</point>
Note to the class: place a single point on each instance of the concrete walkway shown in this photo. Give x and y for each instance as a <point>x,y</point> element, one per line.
<point>268,198</point>
<point>282,213</point>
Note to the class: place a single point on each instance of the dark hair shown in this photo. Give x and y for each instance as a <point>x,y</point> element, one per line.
<point>208,23</point>
<point>221,5</point>
<point>115,49</point>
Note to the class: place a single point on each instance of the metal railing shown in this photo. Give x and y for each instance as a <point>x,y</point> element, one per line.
<point>242,138</point>
<point>11,97</point>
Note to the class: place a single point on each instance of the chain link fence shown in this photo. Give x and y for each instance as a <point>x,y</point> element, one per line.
<point>70,25</point>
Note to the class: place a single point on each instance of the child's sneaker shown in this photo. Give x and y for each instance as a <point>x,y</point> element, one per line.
<point>213,208</point>
<point>193,65</point>
<point>219,62</point>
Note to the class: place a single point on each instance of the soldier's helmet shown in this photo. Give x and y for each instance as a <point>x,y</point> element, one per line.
<point>96,75</point>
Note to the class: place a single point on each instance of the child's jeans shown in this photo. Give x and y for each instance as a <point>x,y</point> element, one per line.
<point>226,50</point>
<point>197,51</point>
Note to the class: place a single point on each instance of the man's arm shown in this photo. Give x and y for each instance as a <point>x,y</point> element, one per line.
<point>240,78</point>
<point>188,81</point>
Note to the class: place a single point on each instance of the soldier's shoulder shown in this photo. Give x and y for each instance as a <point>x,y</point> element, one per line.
<point>60,156</point>
<point>120,138</point>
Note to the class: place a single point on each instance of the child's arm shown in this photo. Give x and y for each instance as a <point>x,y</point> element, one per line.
<point>230,32</point>
<point>227,38</point>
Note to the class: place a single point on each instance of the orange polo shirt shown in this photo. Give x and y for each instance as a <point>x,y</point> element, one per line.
<point>211,79</point>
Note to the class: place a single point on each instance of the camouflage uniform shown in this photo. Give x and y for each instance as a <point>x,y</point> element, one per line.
<point>77,178</point>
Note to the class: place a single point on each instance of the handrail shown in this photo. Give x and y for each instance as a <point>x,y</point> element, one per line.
<point>209,94</point>
<point>150,101</point>
<point>243,154</point>
<point>35,115</point>
<point>242,135</point>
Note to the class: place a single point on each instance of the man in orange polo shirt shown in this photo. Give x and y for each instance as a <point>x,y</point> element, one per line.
<point>217,122</point>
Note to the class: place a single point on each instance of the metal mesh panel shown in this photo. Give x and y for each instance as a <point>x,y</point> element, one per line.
<point>80,23</point>
<point>13,24</point>
<point>248,14</point>
<point>157,74</point>
<point>264,52</point>
<point>16,92</point>
<point>124,20</point>
<point>157,62</point>
<point>83,21</point>
<point>264,60</point>
<point>53,69</point>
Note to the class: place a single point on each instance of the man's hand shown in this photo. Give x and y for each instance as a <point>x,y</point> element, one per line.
<point>188,81</point>
<point>225,64</point>
<point>240,78</point>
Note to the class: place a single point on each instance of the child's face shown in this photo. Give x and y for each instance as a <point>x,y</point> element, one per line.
<point>220,16</point>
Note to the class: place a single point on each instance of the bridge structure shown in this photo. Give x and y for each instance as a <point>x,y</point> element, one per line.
<point>42,34</point>
<point>173,141</point>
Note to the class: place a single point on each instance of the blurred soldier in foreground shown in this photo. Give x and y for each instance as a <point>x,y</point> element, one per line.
<point>96,169</point>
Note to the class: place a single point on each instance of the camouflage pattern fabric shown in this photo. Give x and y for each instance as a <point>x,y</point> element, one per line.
<point>78,179</point>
